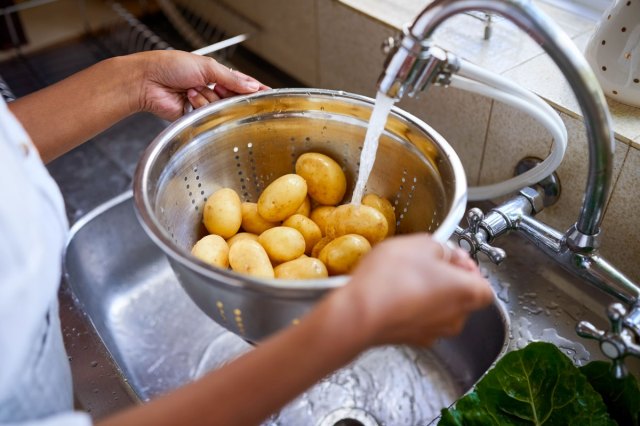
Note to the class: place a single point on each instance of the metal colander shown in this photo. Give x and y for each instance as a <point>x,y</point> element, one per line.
<point>246,142</point>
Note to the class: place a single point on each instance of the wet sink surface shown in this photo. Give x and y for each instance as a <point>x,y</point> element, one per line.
<point>156,339</point>
<point>160,340</point>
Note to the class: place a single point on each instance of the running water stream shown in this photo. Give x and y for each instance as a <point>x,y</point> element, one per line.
<point>377,122</point>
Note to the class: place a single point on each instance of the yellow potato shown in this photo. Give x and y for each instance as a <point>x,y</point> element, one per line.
<point>315,252</point>
<point>252,221</point>
<point>241,236</point>
<point>342,254</point>
<point>308,228</point>
<point>249,257</point>
<point>282,243</point>
<point>212,249</point>
<point>385,207</point>
<point>326,181</point>
<point>223,213</point>
<point>305,207</point>
<point>354,219</point>
<point>302,268</point>
<point>282,197</point>
<point>319,215</point>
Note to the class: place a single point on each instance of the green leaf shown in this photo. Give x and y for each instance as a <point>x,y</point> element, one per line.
<point>532,386</point>
<point>622,396</point>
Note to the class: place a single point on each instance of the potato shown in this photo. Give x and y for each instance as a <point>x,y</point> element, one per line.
<point>319,215</point>
<point>385,207</point>
<point>241,236</point>
<point>305,207</point>
<point>282,243</point>
<point>212,249</point>
<point>357,219</point>
<point>342,254</point>
<point>308,228</point>
<point>223,213</point>
<point>326,181</point>
<point>252,222</point>
<point>282,197</point>
<point>315,252</point>
<point>302,268</point>
<point>249,257</point>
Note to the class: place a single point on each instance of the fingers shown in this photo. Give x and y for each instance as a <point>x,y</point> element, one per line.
<point>458,257</point>
<point>471,290</point>
<point>245,76</point>
<point>201,96</point>
<point>223,92</point>
<point>231,80</point>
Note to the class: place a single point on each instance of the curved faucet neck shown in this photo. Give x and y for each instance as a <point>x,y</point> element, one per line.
<point>583,83</point>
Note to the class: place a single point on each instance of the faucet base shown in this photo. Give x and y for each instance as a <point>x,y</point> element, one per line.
<point>550,186</point>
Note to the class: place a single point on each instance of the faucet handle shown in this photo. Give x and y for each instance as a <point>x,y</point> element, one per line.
<point>615,344</point>
<point>474,238</point>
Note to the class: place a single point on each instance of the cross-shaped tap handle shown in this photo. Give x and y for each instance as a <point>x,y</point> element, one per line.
<point>612,343</point>
<point>474,238</point>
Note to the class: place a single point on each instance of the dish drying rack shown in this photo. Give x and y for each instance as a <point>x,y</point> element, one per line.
<point>156,25</point>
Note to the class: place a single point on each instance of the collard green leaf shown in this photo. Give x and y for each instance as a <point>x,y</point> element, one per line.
<point>533,386</point>
<point>622,396</point>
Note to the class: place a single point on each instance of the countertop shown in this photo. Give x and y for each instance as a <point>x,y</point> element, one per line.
<point>511,52</point>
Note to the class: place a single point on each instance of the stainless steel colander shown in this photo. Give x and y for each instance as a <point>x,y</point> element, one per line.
<point>246,142</point>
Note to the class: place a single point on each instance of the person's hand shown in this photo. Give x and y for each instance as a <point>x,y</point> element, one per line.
<point>413,290</point>
<point>171,79</point>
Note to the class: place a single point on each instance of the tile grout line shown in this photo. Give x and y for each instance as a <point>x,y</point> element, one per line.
<point>484,147</point>
<point>318,62</point>
<point>614,184</point>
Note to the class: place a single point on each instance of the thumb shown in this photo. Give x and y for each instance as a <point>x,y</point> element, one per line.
<point>231,80</point>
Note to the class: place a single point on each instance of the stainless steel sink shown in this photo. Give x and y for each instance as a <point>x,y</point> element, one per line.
<point>152,338</point>
<point>160,340</point>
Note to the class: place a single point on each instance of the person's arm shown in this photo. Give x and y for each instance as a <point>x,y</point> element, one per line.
<point>63,115</point>
<point>407,290</point>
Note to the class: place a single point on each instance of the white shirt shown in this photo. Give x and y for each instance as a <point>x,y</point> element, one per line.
<point>33,230</point>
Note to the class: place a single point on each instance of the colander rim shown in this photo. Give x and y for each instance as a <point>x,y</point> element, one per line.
<point>286,288</point>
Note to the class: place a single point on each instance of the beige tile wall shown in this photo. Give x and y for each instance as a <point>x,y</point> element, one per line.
<point>620,229</point>
<point>445,110</point>
<point>283,32</point>
<point>287,34</point>
<point>349,48</point>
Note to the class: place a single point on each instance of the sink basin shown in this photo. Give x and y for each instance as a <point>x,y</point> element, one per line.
<point>158,339</point>
<point>132,333</point>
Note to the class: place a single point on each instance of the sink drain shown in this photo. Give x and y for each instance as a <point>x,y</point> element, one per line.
<point>348,417</point>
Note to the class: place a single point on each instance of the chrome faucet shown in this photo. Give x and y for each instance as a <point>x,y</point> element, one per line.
<point>414,63</point>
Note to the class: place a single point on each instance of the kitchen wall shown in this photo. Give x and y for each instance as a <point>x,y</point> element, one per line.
<point>336,44</point>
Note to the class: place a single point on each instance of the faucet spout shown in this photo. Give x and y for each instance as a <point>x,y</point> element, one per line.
<point>407,61</point>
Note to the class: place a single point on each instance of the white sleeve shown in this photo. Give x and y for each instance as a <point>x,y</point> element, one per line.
<point>75,418</point>
<point>33,229</point>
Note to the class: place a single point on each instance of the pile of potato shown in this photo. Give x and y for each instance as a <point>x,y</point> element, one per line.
<point>296,230</point>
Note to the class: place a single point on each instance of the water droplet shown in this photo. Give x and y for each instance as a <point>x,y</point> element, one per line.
<point>574,350</point>
<point>533,310</point>
<point>503,291</point>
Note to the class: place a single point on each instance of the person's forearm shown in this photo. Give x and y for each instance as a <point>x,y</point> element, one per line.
<point>70,112</point>
<point>259,383</point>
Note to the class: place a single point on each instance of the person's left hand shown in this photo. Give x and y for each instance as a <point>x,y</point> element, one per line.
<point>171,80</point>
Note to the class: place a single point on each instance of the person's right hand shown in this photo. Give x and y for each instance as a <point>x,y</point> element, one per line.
<point>413,290</point>
<point>409,289</point>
